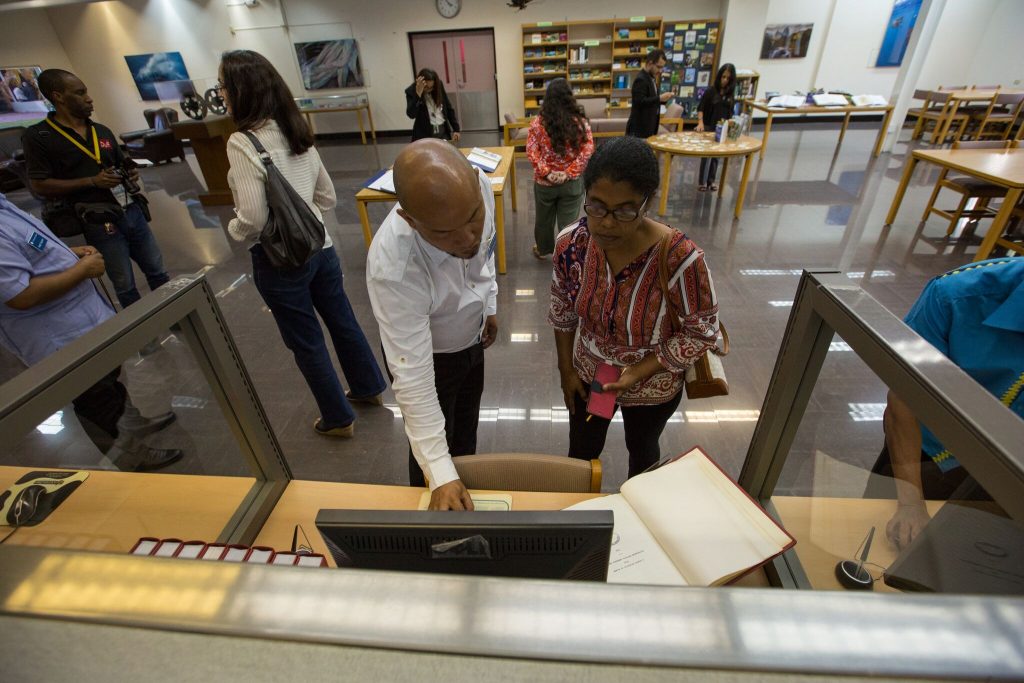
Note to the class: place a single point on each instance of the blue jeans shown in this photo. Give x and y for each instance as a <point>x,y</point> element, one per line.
<point>294,298</point>
<point>132,240</point>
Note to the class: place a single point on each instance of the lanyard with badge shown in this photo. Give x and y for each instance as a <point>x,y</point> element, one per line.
<point>120,196</point>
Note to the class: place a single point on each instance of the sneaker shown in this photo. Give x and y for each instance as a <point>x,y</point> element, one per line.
<point>345,432</point>
<point>375,400</point>
<point>146,459</point>
<point>140,426</point>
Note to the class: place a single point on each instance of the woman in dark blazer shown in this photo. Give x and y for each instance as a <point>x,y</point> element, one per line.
<point>428,105</point>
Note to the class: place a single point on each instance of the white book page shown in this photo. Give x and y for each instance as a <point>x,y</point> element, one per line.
<point>705,523</point>
<point>636,556</point>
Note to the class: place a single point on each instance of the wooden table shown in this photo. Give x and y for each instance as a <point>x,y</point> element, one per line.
<point>209,140</point>
<point>828,530</point>
<point>1003,167</point>
<point>695,144</point>
<point>848,110</point>
<point>959,97</point>
<point>357,108</point>
<point>110,511</point>
<point>505,175</point>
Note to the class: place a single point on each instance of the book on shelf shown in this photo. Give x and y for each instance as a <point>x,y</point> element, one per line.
<point>869,101</point>
<point>481,158</point>
<point>687,524</point>
<point>535,39</point>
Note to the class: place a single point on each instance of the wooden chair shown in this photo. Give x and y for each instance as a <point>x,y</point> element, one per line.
<point>945,117</point>
<point>514,133</point>
<point>1004,109</point>
<point>926,97</point>
<point>969,188</point>
<point>529,472</point>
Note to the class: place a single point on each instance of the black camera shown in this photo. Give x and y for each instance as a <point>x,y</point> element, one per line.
<point>132,187</point>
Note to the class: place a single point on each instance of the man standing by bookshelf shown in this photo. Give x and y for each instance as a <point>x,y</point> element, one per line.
<point>646,103</point>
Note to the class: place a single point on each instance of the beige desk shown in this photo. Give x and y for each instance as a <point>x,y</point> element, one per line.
<point>828,530</point>
<point>110,511</point>
<point>357,108</point>
<point>1004,167</point>
<point>695,144</point>
<point>848,110</point>
<point>505,176</point>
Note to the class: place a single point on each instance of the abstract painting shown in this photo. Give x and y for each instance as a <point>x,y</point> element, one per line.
<point>158,67</point>
<point>330,64</point>
<point>786,41</point>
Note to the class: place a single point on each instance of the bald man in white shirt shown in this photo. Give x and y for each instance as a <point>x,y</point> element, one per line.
<point>431,278</point>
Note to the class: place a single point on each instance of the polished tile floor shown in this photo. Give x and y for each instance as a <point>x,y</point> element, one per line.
<point>808,205</point>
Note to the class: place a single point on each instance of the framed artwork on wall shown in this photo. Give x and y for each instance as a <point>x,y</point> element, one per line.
<point>20,98</point>
<point>158,67</point>
<point>786,41</point>
<point>897,32</point>
<point>330,64</point>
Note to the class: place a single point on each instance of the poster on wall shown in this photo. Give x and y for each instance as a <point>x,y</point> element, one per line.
<point>897,32</point>
<point>20,98</point>
<point>157,67</point>
<point>785,41</point>
<point>330,64</point>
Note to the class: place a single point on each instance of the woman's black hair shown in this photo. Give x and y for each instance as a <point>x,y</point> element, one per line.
<point>626,159</point>
<point>732,79</point>
<point>438,92</point>
<point>257,93</point>
<point>563,118</point>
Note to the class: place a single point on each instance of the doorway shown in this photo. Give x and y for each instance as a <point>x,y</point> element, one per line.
<point>465,62</point>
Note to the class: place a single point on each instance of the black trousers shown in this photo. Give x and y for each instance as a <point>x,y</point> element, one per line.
<point>708,170</point>
<point>459,381</point>
<point>99,408</point>
<point>956,484</point>
<point>643,425</point>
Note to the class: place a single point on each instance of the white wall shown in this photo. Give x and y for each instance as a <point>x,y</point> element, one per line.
<point>977,42</point>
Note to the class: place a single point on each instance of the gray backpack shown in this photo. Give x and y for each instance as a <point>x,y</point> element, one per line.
<point>293,234</point>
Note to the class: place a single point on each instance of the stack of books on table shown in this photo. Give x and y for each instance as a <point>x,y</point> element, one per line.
<point>201,550</point>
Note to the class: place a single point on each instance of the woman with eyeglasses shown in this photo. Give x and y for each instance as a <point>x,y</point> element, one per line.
<point>607,304</point>
<point>259,101</point>
<point>558,144</point>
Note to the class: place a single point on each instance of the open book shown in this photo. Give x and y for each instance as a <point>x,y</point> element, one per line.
<point>382,182</point>
<point>687,524</point>
<point>481,158</point>
<point>787,101</point>
<point>830,100</point>
<point>869,101</point>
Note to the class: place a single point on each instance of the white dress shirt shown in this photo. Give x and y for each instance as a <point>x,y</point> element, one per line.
<point>427,301</point>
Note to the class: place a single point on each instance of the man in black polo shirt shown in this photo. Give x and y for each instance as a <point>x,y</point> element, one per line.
<point>71,161</point>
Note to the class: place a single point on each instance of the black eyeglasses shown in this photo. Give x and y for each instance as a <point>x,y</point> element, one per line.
<point>621,215</point>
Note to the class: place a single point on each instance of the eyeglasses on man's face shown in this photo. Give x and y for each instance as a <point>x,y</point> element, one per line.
<point>623,215</point>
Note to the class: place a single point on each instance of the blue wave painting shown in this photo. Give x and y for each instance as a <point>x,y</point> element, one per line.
<point>157,67</point>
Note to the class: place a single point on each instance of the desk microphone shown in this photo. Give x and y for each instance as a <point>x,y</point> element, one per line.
<point>851,573</point>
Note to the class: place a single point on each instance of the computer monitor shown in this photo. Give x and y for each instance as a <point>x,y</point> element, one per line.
<point>561,544</point>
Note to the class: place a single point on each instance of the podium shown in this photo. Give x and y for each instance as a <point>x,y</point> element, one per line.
<point>209,140</point>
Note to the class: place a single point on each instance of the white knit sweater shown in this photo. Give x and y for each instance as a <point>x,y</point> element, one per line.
<point>247,179</point>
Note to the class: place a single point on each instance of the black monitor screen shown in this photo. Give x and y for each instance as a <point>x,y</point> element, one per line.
<point>562,544</point>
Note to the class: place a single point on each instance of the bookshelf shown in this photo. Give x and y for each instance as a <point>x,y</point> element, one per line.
<point>590,58</point>
<point>746,86</point>
<point>632,39</point>
<point>545,56</point>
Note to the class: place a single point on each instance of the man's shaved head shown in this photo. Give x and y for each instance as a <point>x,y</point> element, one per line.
<point>440,196</point>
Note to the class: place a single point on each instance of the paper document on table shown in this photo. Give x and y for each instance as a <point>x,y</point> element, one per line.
<point>382,182</point>
<point>488,161</point>
<point>787,101</point>
<point>635,557</point>
<point>482,502</point>
<point>497,180</point>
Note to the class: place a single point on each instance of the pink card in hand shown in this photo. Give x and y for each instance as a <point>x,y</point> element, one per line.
<point>601,402</point>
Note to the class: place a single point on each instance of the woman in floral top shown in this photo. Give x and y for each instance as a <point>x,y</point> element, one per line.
<point>558,144</point>
<point>607,305</point>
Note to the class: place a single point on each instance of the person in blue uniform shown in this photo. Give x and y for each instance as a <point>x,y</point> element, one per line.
<point>50,298</point>
<point>974,315</point>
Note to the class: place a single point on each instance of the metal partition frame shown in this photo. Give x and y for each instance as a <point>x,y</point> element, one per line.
<point>44,388</point>
<point>987,438</point>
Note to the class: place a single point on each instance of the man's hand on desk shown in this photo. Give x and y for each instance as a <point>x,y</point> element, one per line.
<point>451,496</point>
<point>906,524</point>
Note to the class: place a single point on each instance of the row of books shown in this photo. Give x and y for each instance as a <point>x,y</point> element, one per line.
<point>623,33</point>
<point>550,52</point>
<point>542,68</point>
<point>537,38</point>
<point>589,74</point>
<point>580,55</point>
<point>631,63</point>
<point>201,550</point>
<point>577,90</point>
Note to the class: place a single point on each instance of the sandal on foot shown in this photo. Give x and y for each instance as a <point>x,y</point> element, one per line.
<point>345,432</point>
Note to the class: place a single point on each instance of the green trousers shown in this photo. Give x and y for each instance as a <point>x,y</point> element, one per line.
<point>556,207</point>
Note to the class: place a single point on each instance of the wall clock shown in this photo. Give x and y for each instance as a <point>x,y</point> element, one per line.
<point>448,8</point>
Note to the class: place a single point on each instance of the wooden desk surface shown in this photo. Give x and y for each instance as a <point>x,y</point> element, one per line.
<point>969,94</point>
<point>814,109</point>
<point>507,156</point>
<point>828,530</point>
<point>692,143</point>
<point>1001,166</point>
<point>110,511</point>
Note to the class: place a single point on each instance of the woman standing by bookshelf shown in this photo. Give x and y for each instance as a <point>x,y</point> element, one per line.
<point>558,144</point>
<point>262,106</point>
<point>608,287</point>
<point>427,104</point>
<point>716,104</point>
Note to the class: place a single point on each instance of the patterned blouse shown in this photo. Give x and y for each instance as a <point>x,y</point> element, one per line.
<point>622,318</point>
<point>544,158</point>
